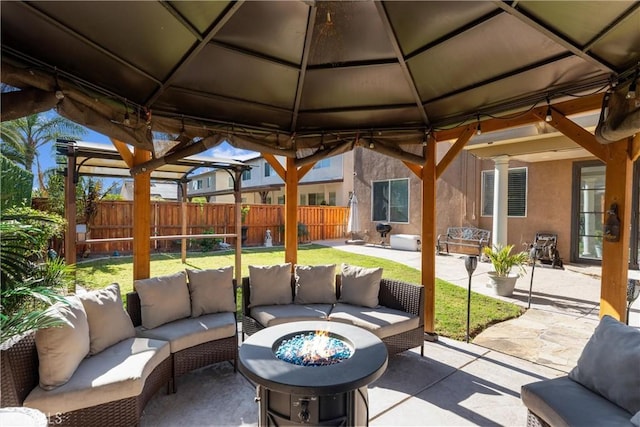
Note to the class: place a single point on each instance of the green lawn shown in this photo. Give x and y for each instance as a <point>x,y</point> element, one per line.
<point>451,300</point>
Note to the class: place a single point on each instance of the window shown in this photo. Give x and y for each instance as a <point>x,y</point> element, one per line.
<point>332,198</point>
<point>281,200</point>
<point>267,169</point>
<point>391,200</point>
<point>246,175</point>
<point>209,179</point>
<point>316,199</point>
<point>324,163</point>
<point>517,193</point>
<point>303,199</point>
<point>197,185</point>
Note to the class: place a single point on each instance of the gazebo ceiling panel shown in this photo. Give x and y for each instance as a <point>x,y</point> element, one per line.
<point>348,32</point>
<point>419,25</point>
<point>580,27</point>
<point>200,14</point>
<point>144,35</point>
<point>302,68</point>
<point>232,74</point>
<point>278,29</point>
<point>364,120</point>
<point>521,89</point>
<point>338,88</point>
<point>469,67</point>
<point>224,109</point>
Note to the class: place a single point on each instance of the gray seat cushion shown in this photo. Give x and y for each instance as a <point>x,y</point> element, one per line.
<point>382,321</point>
<point>270,315</point>
<point>564,402</point>
<point>189,332</point>
<point>115,373</point>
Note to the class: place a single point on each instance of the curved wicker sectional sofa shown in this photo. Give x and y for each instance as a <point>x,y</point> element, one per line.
<point>397,318</point>
<point>113,382</point>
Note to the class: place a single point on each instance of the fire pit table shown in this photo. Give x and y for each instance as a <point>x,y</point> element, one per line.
<point>298,384</point>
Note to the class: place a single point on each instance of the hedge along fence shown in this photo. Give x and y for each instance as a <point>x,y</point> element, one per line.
<point>114,219</point>
<point>16,185</point>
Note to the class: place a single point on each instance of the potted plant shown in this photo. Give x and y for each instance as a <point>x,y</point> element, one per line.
<point>503,261</point>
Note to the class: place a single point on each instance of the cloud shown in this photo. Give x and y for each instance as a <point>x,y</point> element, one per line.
<point>227,151</point>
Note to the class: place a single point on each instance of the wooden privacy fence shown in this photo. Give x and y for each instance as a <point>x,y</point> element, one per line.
<point>114,220</point>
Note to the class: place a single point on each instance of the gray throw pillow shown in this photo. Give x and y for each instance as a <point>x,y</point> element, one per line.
<point>270,284</point>
<point>211,291</point>
<point>610,364</point>
<point>315,284</point>
<point>163,299</point>
<point>62,348</point>
<point>360,286</point>
<point>108,322</point>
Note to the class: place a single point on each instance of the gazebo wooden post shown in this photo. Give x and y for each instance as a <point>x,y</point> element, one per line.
<point>428,251</point>
<point>237,193</point>
<point>70,210</point>
<point>615,255</point>
<point>184,217</point>
<point>141,218</point>
<point>291,213</point>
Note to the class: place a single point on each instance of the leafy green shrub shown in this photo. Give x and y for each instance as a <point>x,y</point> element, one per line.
<point>16,185</point>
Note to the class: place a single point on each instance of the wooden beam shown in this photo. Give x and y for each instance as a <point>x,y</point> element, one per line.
<point>305,170</point>
<point>125,152</point>
<point>397,153</point>
<point>183,220</point>
<point>200,146</point>
<point>429,238</point>
<point>70,255</point>
<point>141,218</point>
<point>275,164</point>
<point>575,132</point>
<point>417,170</point>
<point>291,213</point>
<point>634,147</point>
<point>566,108</point>
<point>615,255</point>
<point>454,150</point>
<point>237,195</point>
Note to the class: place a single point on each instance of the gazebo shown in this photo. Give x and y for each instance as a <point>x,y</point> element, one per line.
<point>312,79</point>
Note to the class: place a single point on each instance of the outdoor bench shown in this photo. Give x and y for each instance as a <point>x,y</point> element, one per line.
<point>395,313</point>
<point>464,239</point>
<point>92,371</point>
<point>199,323</point>
<point>602,390</point>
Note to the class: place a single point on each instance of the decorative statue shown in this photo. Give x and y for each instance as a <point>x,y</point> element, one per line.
<point>267,239</point>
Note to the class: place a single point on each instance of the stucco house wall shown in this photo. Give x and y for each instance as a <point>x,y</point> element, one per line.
<point>549,204</point>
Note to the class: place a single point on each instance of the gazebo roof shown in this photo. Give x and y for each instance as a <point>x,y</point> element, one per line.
<point>284,76</point>
<point>93,159</point>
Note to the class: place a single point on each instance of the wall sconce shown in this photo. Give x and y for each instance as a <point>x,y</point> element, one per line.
<point>612,224</point>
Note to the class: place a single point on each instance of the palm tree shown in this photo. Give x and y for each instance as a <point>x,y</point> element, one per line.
<point>23,137</point>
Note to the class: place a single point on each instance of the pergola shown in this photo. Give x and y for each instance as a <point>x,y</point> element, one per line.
<point>312,79</point>
<point>91,159</point>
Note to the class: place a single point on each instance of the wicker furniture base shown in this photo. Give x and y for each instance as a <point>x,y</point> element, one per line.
<point>535,421</point>
<point>206,354</point>
<point>20,376</point>
<point>394,294</point>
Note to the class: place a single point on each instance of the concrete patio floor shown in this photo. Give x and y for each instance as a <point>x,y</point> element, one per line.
<point>455,383</point>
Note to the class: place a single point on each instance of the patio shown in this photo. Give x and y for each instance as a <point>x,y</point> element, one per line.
<point>455,383</point>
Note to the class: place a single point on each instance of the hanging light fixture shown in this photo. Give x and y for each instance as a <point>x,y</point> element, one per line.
<point>478,128</point>
<point>549,117</point>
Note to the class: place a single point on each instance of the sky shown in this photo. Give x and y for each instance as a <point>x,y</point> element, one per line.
<point>47,154</point>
